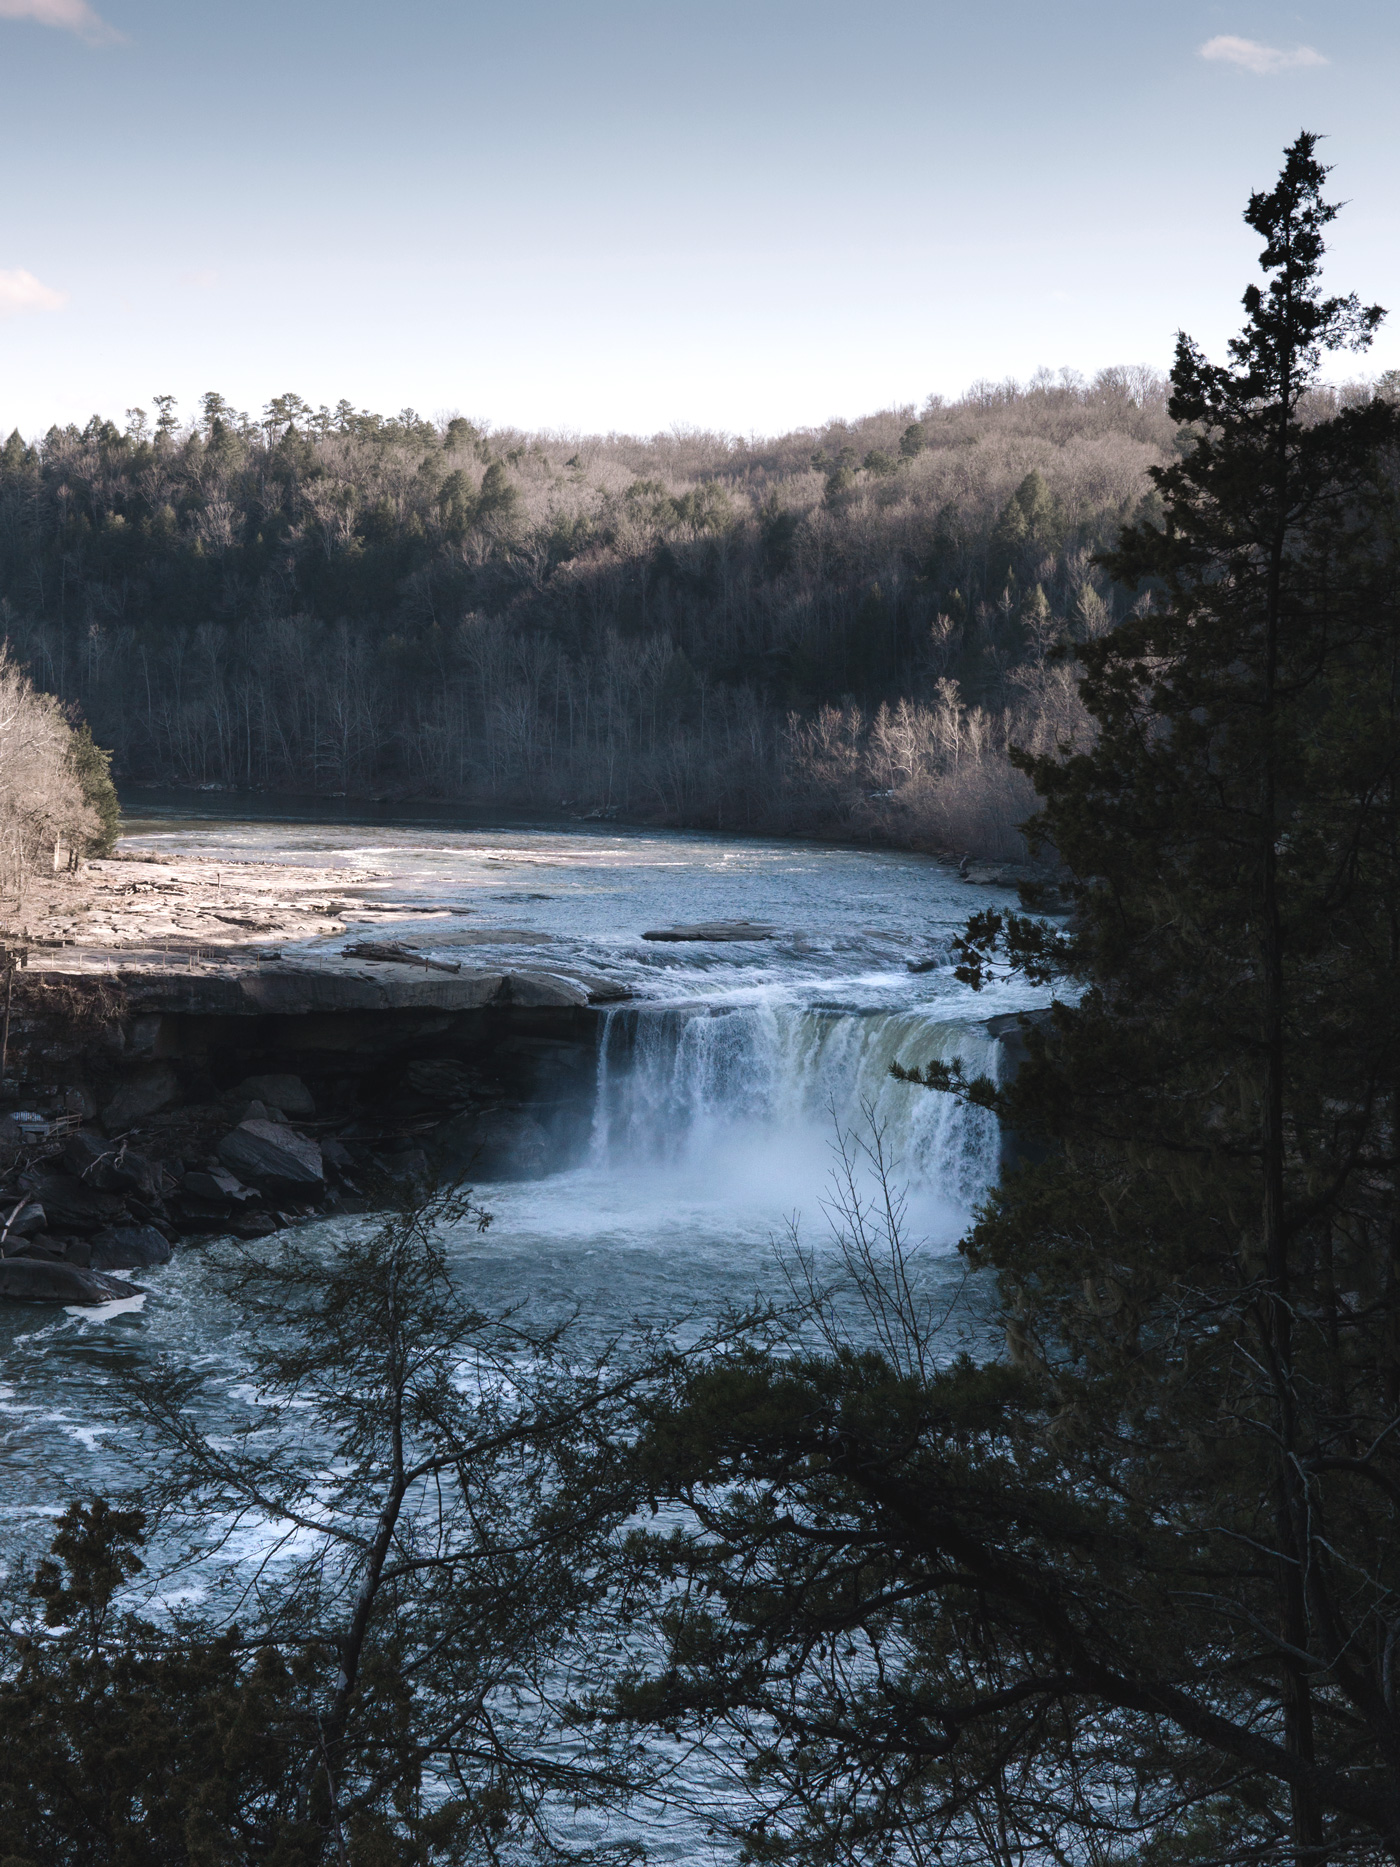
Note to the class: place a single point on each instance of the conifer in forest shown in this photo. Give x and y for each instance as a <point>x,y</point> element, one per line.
<point>1137,1585</point>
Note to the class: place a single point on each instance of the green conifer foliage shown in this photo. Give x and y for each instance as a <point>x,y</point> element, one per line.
<point>92,768</point>
<point>1134,1592</point>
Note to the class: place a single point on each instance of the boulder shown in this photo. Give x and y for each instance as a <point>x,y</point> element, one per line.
<point>37,1280</point>
<point>126,1247</point>
<point>26,1223</point>
<point>274,1159</point>
<point>217,1184</point>
<point>503,1144</point>
<point>111,1166</point>
<point>57,1249</point>
<point>145,1093</point>
<point>136,1173</point>
<point>88,1157</point>
<point>335,1155</point>
<point>74,1206</point>
<point>288,1093</point>
<point>204,1215</point>
<point>412,1165</point>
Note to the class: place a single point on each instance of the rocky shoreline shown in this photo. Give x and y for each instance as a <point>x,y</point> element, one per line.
<point>173,1078</point>
<point>198,1048</point>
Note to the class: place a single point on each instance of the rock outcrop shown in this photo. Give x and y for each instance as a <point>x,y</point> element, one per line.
<point>33,1280</point>
<point>277,1160</point>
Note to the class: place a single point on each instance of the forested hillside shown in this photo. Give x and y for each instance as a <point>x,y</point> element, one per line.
<point>833,631</point>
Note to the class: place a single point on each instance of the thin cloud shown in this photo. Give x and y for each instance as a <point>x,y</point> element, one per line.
<point>1264,60</point>
<point>67,15</point>
<point>21,291</point>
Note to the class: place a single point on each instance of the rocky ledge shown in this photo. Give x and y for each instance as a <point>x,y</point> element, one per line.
<point>150,1106</point>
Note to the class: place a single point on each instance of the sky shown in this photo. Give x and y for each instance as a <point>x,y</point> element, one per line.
<point>638,215</point>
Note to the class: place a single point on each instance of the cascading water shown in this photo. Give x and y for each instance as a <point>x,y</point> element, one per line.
<point>722,1088</point>
<point>757,1092</point>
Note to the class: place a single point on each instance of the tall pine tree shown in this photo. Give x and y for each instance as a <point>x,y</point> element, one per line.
<point>1139,1584</point>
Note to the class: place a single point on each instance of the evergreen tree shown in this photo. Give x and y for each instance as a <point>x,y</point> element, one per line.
<point>92,767</point>
<point>1139,1584</point>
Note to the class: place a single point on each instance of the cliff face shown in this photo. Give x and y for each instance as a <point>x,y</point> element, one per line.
<point>151,1105</point>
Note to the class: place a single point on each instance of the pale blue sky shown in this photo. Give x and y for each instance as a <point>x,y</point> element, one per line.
<point>594,214</point>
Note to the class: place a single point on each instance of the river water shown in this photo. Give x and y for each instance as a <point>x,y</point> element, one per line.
<point>725,1087</point>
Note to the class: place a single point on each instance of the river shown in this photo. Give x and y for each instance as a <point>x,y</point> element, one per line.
<point>724,1086</point>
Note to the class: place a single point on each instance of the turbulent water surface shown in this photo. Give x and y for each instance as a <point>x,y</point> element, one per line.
<point>723,1085</point>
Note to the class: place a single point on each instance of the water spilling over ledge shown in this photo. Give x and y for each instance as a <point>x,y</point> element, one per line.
<point>642,1156</point>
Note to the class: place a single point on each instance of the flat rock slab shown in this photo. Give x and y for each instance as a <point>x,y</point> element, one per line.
<point>273,1158</point>
<point>332,983</point>
<point>37,1280</point>
<point>715,930</point>
<point>542,988</point>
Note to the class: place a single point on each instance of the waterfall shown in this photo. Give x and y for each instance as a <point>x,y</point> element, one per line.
<point>760,1090</point>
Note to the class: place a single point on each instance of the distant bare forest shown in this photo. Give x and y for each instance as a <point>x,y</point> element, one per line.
<point>833,632</point>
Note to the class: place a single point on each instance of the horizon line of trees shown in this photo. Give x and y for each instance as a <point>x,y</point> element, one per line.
<point>835,631</point>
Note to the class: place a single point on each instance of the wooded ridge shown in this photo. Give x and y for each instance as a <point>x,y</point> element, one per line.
<point>835,631</point>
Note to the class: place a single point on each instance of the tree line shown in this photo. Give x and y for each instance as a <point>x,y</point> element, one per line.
<point>837,630</point>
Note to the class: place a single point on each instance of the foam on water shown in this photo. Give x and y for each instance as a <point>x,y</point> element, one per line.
<point>751,1096</point>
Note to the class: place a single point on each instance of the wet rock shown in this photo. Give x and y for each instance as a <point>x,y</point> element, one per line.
<point>80,1102</point>
<point>204,1215</point>
<point>601,989</point>
<point>346,1205</point>
<point>254,1225</point>
<point>38,1280</point>
<point>217,1184</point>
<point>542,988</point>
<point>146,1093</point>
<point>394,952</point>
<point>927,964</point>
<point>411,1164</point>
<point>12,1136</point>
<point>715,930</point>
<point>288,1093</point>
<point>74,1206</point>
<point>128,1247</point>
<point>112,1166</point>
<point>274,1159</point>
<point>338,1156</point>
<point>503,1144</point>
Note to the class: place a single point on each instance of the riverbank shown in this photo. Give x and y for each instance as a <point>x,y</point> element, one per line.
<point>185,1055</point>
<point>409,809</point>
<point>237,1023</point>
